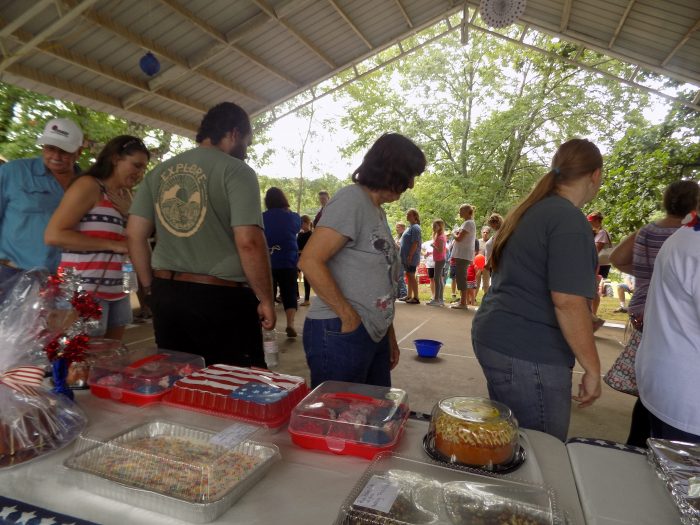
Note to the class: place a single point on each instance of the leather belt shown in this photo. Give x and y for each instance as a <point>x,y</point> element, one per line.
<point>198,278</point>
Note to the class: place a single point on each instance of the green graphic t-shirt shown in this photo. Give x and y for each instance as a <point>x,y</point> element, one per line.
<point>194,199</point>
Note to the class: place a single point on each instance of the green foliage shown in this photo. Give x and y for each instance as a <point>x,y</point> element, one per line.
<point>309,197</point>
<point>642,164</point>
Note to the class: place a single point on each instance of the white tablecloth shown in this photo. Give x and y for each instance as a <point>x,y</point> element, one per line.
<point>305,487</point>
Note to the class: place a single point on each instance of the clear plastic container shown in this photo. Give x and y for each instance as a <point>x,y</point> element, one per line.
<point>169,468</point>
<point>141,377</point>
<point>253,395</point>
<point>98,348</point>
<point>402,491</point>
<point>350,418</point>
<point>35,423</point>
<point>473,431</point>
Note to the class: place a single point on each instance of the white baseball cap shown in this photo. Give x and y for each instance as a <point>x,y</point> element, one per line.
<point>62,133</point>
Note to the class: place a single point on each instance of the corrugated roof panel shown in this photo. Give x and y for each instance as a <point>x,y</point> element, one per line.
<point>658,13</point>
<point>546,10</point>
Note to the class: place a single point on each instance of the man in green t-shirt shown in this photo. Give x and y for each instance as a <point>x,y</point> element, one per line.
<point>209,275</point>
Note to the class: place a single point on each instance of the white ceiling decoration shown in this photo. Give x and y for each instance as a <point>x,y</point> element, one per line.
<point>260,53</point>
<point>501,13</point>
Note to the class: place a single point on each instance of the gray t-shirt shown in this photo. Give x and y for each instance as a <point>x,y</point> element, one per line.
<point>464,249</point>
<point>550,250</point>
<point>367,268</point>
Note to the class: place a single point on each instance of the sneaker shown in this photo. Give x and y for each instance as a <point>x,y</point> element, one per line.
<point>597,323</point>
<point>403,299</point>
<point>459,306</point>
<point>621,309</point>
<point>412,301</point>
<point>305,303</point>
<point>291,332</point>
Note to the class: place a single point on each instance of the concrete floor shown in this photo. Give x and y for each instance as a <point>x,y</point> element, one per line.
<point>455,371</point>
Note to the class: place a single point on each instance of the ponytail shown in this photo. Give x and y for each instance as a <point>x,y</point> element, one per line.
<point>544,188</point>
<point>572,160</point>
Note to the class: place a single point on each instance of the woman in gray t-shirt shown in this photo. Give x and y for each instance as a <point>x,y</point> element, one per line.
<point>535,321</point>
<point>353,265</point>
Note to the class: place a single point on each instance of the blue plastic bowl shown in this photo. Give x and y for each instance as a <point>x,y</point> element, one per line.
<point>427,347</point>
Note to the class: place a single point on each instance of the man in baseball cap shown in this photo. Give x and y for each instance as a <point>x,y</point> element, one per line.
<point>30,191</point>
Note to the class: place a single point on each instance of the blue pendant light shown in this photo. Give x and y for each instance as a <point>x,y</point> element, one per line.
<point>149,64</point>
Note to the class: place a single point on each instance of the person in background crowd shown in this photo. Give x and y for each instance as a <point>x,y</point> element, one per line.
<point>668,359</point>
<point>89,226</point>
<point>323,198</point>
<point>453,266</point>
<point>410,255</point>
<point>636,255</point>
<point>463,252</point>
<point>439,256</point>
<point>426,250</point>
<point>281,228</point>
<point>403,290</point>
<point>352,262</point>
<point>30,191</point>
<point>535,321</point>
<point>210,270</point>
<point>626,286</point>
<point>602,241</point>
<point>471,284</point>
<point>302,239</point>
<point>483,276</point>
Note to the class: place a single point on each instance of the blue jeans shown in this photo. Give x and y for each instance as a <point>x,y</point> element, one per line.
<point>352,357</point>
<point>538,394</point>
<point>114,314</point>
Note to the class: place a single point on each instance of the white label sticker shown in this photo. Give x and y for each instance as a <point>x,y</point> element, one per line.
<point>233,435</point>
<point>379,494</point>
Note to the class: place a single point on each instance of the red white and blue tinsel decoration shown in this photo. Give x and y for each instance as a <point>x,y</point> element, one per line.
<point>65,292</point>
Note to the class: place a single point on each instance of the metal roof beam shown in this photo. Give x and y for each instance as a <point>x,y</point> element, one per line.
<point>65,19</point>
<point>269,11</point>
<point>225,44</point>
<point>352,25</point>
<point>27,15</point>
<point>681,43</point>
<point>83,91</point>
<point>105,22</point>
<point>622,21</point>
<point>103,70</point>
<point>404,13</point>
<point>565,15</point>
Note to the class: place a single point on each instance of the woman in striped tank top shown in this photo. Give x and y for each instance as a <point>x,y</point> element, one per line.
<point>89,225</point>
<point>636,255</point>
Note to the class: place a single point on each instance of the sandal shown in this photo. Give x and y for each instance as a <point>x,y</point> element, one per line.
<point>412,301</point>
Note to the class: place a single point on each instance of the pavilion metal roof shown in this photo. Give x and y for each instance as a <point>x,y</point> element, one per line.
<point>260,53</point>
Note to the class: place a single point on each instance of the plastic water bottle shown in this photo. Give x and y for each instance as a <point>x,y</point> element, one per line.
<point>270,348</point>
<point>130,282</point>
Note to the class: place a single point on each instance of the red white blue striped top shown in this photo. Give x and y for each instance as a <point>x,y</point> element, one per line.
<point>101,271</point>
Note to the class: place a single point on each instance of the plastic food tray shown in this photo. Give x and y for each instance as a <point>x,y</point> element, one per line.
<point>253,395</point>
<point>92,468</point>
<point>402,491</point>
<point>141,377</point>
<point>350,418</point>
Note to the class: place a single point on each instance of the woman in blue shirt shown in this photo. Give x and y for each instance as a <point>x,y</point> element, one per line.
<point>281,228</point>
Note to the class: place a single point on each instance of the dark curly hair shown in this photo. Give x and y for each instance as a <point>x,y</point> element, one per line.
<point>220,120</point>
<point>390,164</point>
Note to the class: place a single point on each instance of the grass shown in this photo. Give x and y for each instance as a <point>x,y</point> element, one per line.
<point>605,310</point>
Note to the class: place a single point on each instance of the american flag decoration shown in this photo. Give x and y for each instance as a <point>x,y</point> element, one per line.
<point>223,379</point>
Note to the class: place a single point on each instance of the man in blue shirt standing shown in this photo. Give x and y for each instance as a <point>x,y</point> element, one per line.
<point>30,191</point>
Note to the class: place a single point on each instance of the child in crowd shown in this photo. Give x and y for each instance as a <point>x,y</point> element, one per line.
<point>471,285</point>
<point>439,256</point>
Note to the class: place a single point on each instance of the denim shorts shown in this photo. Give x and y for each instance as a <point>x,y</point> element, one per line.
<point>114,313</point>
<point>409,269</point>
<point>352,356</point>
<point>538,394</point>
